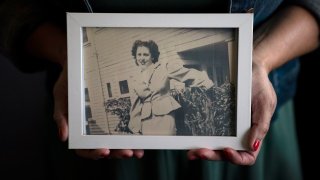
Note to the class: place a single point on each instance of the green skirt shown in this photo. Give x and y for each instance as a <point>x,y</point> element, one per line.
<point>278,160</point>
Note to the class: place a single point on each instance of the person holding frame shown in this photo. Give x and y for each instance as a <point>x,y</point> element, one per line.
<point>279,28</point>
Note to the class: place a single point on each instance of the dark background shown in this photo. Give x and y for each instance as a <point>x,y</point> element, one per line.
<point>29,142</point>
<point>307,105</point>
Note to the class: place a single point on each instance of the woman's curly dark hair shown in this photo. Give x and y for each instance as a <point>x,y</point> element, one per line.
<point>151,45</point>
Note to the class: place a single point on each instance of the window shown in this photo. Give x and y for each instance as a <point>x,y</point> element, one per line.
<point>84,35</point>
<point>86,95</point>
<point>88,112</point>
<point>215,58</point>
<point>109,89</point>
<point>124,88</point>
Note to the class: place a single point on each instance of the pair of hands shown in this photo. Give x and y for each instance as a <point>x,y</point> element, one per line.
<point>263,105</point>
<point>275,43</point>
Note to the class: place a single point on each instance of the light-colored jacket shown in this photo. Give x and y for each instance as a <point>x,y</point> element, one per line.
<point>152,93</point>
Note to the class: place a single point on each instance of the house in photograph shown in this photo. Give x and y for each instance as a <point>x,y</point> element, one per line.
<point>109,66</point>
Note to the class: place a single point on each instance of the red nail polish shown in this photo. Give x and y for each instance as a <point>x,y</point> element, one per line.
<point>256,145</point>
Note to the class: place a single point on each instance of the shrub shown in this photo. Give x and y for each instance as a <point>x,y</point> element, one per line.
<point>121,108</point>
<point>206,112</point>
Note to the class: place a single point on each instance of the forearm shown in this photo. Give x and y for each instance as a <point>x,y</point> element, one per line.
<point>49,42</point>
<point>289,33</point>
<point>22,23</point>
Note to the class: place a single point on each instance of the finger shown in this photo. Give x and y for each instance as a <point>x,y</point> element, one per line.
<point>61,121</point>
<point>93,154</point>
<point>240,157</point>
<point>261,118</point>
<point>123,153</point>
<point>263,107</point>
<point>205,154</point>
<point>138,153</point>
<point>61,105</point>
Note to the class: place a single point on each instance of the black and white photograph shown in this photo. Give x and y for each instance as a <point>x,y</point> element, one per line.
<point>160,81</point>
<point>178,82</point>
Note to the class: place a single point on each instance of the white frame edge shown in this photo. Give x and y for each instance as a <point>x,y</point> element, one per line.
<point>75,22</point>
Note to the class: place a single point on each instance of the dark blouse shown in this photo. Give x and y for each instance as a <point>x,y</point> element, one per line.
<point>19,18</point>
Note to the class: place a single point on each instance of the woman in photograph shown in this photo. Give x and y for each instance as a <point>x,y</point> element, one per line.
<point>153,108</point>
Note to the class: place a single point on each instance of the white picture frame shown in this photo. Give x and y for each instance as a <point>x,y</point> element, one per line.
<point>87,57</point>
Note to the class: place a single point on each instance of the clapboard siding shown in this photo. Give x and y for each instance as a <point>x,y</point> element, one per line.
<point>109,59</point>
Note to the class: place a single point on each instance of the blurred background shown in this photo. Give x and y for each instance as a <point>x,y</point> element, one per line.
<point>307,105</point>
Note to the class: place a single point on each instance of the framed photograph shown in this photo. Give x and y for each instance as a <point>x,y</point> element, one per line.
<point>159,81</point>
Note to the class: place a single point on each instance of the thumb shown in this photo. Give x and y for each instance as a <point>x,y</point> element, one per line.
<point>263,108</point>
<point>62,124</point>
<point>61,105</point>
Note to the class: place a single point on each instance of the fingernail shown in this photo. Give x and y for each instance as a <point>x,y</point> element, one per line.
<point>256,145</point>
